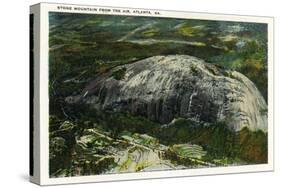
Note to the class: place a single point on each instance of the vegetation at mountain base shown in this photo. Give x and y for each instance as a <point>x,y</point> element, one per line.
<point>218,145</point>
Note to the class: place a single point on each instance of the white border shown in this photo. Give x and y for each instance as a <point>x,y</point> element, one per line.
<point>45,8</point>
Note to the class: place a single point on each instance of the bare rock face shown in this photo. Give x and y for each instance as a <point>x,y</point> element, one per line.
<point>163,88</point>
